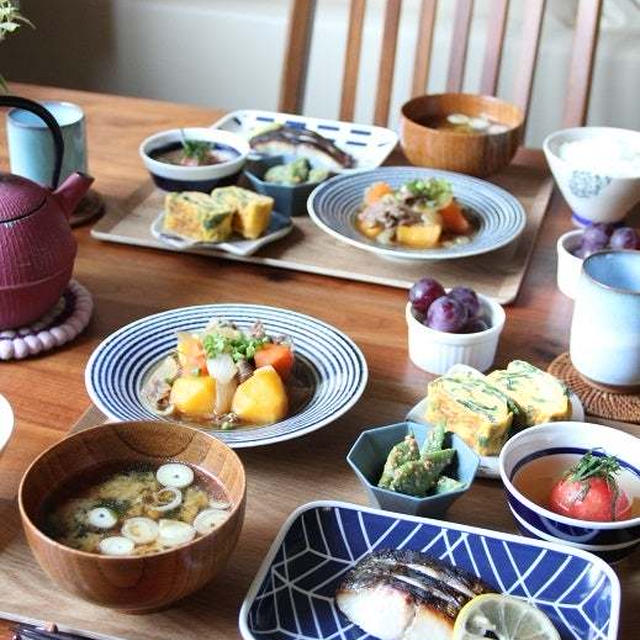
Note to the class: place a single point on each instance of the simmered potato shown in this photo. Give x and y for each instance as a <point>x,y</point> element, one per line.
<point>370,232</point>
<point>262,399</point>
<point>194,395</point>
<point>419,236</point>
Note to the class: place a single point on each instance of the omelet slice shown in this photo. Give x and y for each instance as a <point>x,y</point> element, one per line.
<point>196,216</point>
<point>540,396</point>
<point>467,404</point>
<point>251,211</point>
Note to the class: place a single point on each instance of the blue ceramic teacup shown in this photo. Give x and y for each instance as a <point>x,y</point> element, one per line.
<point>31,151</point>
<point>605,331</point>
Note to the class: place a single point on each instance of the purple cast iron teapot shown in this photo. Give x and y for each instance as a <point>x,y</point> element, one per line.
<point>37,248</point>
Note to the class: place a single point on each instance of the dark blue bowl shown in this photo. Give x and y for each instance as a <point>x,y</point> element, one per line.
<point>206,186</point>
<point>288,200</point>
<point>370,451</point>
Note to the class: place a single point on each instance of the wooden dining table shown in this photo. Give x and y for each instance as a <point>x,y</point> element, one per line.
<point>48,393</point>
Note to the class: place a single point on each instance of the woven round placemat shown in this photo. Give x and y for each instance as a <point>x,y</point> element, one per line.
<point>597,402</point>
<point>90,207</point>
<point>61,324</point>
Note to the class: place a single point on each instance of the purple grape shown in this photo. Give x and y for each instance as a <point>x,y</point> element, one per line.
<point>424,292</point>
<point>594,239</point>
<point>475,325</point>
<point>624,238</point>
<point>468,298</point>
<point>604,226</point>
<point>446,314</point>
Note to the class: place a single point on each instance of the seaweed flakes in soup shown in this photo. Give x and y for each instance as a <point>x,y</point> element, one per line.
<point>125,510</point>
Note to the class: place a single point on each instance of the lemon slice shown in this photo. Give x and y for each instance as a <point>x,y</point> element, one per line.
<point>506,617</point>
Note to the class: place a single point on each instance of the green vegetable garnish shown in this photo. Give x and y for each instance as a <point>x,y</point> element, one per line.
<point>437,191</point>
<point>195,149</point>
<point>240,348</point>
<point>590,466</point>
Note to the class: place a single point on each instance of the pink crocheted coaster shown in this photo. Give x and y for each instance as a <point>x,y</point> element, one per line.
<point>69,316</point>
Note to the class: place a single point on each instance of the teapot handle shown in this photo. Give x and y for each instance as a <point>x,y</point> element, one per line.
<point>49,120</point>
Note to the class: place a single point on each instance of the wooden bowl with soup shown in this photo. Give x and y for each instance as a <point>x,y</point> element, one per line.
<point>462,132</point>
<point>133,515</point>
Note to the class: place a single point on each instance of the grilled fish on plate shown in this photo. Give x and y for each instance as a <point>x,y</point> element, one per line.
<point>406,595</point>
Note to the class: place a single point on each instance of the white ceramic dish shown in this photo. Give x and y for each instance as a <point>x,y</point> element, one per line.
<point>369,145</point>
<point>569,265</point>
<point>173,177</point>
<point>612,540</point>
<point>593,197</point>
<point>489,465</point>
<point>437,351</point>
<point>7,423</point>
<point>278,228</point>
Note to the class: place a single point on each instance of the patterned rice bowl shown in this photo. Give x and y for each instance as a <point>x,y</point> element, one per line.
<point>329,364</point>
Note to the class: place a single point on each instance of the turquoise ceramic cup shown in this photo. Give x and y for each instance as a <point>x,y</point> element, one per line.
<point>605,330</point>
<point>31,152</point>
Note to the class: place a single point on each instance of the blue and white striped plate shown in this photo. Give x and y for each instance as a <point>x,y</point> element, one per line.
<point>333,206</point>
<point>292,596</point>
<point>331,364</point>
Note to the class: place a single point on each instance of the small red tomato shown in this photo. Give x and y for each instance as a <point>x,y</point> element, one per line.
<point>593,499</point>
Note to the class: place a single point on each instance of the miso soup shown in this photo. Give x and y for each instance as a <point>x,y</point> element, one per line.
<point>126,510</point>
<point>463,123</point>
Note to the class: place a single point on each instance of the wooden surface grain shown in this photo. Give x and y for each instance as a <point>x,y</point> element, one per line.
<point>48,394</point>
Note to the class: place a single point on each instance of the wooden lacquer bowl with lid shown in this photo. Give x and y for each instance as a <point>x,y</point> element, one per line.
<point>132,584</point>
<point>476,154</point>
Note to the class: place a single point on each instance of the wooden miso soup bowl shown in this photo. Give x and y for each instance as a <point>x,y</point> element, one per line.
<point>478,154</point>
<point>132,584</point>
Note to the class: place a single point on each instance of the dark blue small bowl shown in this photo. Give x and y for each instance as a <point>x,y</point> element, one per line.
<point>288,200</point>
<point>370,451</point>
<point>206,186</point>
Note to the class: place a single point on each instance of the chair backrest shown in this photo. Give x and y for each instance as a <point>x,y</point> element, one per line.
<point>300,27</point>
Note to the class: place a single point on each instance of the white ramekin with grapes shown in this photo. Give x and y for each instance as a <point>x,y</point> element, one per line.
<point>455,326</point>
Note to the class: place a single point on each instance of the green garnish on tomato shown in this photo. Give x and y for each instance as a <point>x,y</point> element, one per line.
<point>589,491</point>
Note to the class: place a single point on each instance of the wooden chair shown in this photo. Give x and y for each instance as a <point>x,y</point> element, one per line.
<point>300,26</point>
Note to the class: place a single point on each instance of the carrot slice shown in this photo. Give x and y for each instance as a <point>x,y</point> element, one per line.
<point>279,356</point>
<point>454,219</point>
<point>375,191</point>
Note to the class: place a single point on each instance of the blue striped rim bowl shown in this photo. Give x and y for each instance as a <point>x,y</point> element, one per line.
<point>328,363</point>
<point>610,540</point>
<point>370,451</point>
<point>172,177</point>
<point>499,216</point>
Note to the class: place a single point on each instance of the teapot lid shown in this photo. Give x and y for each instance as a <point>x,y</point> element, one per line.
<point>19,197</point>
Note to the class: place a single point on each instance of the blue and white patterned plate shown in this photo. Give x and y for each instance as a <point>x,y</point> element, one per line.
<point>333,206</point>
<point>292,595</point>
<point>329,366</point>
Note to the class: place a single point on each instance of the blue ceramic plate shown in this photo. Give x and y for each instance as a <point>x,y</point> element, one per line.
<point>333,206</point>
<point>329,378</point>
<point>292,595</point>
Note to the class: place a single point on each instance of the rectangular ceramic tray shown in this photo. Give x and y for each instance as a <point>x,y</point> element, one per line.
<point>292,595</point>
<point>369,145</point>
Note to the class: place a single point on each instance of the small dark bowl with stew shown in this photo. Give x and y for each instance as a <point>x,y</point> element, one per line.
<point>194,158</point>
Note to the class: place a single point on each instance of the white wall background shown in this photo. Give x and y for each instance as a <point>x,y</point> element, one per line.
<point>228,53</point>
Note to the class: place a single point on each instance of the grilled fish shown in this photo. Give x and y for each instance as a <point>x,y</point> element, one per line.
<point>406,595</point>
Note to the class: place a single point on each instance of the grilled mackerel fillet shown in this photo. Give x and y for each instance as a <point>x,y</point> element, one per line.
<point>406,595</point>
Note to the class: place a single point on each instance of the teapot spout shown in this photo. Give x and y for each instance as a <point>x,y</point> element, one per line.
<point>71,191</point>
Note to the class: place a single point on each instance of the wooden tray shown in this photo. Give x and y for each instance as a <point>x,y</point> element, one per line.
<point>498,274</point>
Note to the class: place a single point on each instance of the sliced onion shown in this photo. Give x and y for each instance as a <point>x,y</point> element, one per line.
<point>171,533</point>
<point>140,530</point>
<point>160,502</point>
<point>208,519</point>
<point>218,504</point>
<point>116,546</point>
<point>174,474</point>
<point>479,124</point>
<point>457,118</point>
<point>102,518</point>
<point>222,368</point>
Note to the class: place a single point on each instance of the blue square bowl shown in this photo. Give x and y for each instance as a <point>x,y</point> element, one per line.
<point>370,451</point>
<point>290,200</point>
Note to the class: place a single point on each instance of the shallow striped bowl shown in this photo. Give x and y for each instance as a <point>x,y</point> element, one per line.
<point>333,206</point>
<point>332,365</point>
